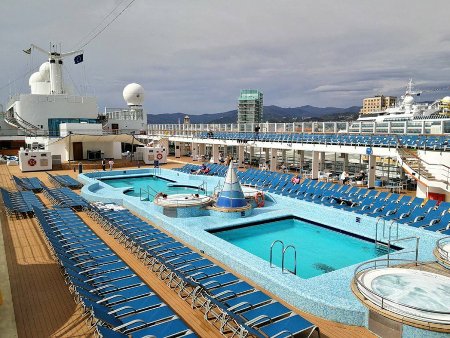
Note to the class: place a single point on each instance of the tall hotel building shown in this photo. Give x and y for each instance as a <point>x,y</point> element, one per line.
<point>250,106</point>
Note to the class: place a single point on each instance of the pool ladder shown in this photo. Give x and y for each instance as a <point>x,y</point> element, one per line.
<point>283,254</point>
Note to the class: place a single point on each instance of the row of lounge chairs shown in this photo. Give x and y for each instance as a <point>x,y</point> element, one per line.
<point>415,212</point>
<point>237,306</point>
<point>20,203</point>
<point>64,181</point>
<point>263,178</point>
<point>253,177</point>
<point>66,198</point>
<point>31,183</point>
<point>214,169</point>
<point>408,141</point>
<point>113,298</point>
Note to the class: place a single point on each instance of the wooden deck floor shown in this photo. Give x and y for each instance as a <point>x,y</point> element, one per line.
<point>43,306</point>
<point>39,292</point>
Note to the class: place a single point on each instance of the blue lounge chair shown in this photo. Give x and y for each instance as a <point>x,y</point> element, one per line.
<point>289,327</point>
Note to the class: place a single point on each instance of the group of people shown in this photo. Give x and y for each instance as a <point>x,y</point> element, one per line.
<point>345,178</point>
<point>202,170</point>
<point>110,163</point>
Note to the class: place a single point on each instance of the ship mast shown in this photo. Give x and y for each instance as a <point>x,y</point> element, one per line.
<point>55,60</point>
<point>410,91</point>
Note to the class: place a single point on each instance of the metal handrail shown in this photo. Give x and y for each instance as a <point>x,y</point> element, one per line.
<point>295,260</point>
<point>379,218</point>
<point>376,264</point>
<point>271,250</point>
<point>393,222</point>
<point>416,251</point>
<point>203,188</point>
<point>440,247</point>
<point>149,188</point>
<point>141,191</point>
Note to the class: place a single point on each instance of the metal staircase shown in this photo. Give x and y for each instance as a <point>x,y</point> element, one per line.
<point>414,162</point>
<point>420,169</point>
<point>16,121</point>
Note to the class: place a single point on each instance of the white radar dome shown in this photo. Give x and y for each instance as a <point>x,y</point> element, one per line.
<point>35,77</point>
<point>133,94</point>
<point>446,100</point>
<point>408,100</point>
<point>44,69</point>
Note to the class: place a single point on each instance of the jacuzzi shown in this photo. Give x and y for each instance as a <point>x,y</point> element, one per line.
<point>415,294</point>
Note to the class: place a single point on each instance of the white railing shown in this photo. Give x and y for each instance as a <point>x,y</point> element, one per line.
<point>424,127</point>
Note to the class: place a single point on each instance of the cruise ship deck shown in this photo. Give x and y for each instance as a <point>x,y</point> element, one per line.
<point>41,304</point>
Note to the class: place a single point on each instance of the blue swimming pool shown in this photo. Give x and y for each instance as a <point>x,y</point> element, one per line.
<point>327,295</point>
<point>150,184</point>
<point>319,249</point>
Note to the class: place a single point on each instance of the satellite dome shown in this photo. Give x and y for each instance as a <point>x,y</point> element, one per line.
<point>408,100</point>
<point>35,77</point>
<point>446,100</point>
<point>133,94</point>
<point>44,68</point>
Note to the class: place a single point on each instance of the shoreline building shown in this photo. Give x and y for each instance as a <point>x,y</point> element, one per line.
<point>377,103</point>
<point>250,106</point>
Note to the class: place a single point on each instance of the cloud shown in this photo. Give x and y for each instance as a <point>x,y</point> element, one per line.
<point>195,56</point>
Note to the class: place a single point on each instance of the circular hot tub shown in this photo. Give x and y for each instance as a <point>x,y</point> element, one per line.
<point>416,294</point>
<point>182,205</point>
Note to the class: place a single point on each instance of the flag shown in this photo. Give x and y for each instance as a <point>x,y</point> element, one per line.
<point>27,51</point>
<point>78,59</point>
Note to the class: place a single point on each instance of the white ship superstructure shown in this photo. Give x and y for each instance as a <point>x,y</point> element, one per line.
<point>408,109</point>
<point>50,102</point>
<point>53,118</point>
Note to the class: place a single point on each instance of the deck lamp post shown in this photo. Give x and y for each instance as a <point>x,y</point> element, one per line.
<point>132,146</point>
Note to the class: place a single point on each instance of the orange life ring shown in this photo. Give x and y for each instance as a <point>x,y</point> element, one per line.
<point>159,156</point>
<point>32,162</point>
<point>259,199</point>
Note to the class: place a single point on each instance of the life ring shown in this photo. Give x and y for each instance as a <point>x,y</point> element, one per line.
<point>32,162</point>
<point>259,199</point>
<point>159,156</point>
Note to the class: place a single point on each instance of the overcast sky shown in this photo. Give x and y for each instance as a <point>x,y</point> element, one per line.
<point>194,56</point>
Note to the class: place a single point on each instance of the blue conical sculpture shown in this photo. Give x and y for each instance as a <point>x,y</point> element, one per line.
<point>231,195</point>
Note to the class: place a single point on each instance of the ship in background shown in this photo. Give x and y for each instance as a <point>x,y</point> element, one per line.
<point>407,109</point>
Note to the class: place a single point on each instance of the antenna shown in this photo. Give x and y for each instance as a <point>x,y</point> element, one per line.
<point>409,89</point>
<point>55,60</point>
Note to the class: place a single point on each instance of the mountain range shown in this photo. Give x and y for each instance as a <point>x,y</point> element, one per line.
<point>270,114</point>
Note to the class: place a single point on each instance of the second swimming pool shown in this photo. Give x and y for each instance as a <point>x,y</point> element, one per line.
<point>149,186</point>
<point>319,249</point>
